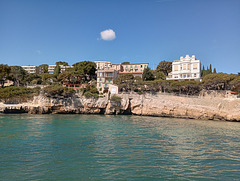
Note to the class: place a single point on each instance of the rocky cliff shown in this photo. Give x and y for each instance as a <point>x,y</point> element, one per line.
<point>202,107</point>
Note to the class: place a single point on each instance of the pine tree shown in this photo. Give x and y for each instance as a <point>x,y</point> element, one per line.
<point>214,70</point>
<point>203,70</point>
<point>57,70</point>
<point>147,74</point>
<point>208,71</point>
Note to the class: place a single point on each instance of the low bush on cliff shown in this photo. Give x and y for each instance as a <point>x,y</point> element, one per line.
<point>90,92</point>
<point>116,99</point>
<point>17,94</point>
<point>56,90</point>
<point>88,95</point>
<point>212,81</point>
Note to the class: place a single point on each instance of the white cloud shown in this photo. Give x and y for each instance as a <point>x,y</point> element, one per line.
<point>108,35</point>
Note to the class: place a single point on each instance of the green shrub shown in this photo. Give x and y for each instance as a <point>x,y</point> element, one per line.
<point>53,90</point>
<point>57,90</point>
<point>17,94</point>
<point>116,99</point>
<point>36,90</point>
<point>68,90</point>
<point>89,94</point>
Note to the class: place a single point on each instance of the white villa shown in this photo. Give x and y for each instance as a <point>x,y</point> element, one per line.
<point>101,65</point>
<point>187,68</point>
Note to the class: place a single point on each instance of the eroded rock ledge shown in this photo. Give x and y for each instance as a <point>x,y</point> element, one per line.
<point>202,107</point>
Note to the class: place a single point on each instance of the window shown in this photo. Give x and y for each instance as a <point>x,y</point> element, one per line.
<point>195,66</point>
<point>141,66</point>
<point>145,66</point>
<point>175,67</point>
<point>195,75</point>
<point>184,66</point>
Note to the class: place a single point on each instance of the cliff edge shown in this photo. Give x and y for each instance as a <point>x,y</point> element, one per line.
<point>202,107</point>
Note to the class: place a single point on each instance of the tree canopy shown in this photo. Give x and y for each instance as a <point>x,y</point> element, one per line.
<point>160,75</point>
<point>43,68</point>
<point>214,70</point>
<point>86,68</point>
<point>125,63</point>
<point>218,81</point>
<point>124,81</point>
<point>165,67</point>
<point>207,71</point>
<point>147,74</point>
<point>65,76</point>
<point>62,63</point>
<point>4,73</point>
<point>57,70</point>
<point>17,74</point>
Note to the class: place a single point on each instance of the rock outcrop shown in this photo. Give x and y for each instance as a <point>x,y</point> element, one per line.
<point>202,107</point>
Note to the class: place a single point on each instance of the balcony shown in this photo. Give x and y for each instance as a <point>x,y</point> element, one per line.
<point>182,71</point>
<point>108,76</point>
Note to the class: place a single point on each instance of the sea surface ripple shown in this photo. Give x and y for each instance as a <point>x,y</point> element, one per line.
<point>98,147</point>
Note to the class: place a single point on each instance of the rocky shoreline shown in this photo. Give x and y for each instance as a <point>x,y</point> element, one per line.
<point>206,107</point>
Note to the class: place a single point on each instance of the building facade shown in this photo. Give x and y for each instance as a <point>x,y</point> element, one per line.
<point>63,68</point>
<point>135,69</point>
<point>37,70</point>
<point>107,72</point>
<point>51,69</point>
<point>105,78</point>
<point>187,68</point>
<point>31,69</point>
<point>101,65</point>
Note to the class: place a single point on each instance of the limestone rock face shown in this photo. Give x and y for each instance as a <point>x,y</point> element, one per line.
<point>187,107</point>
<point>203,107</point>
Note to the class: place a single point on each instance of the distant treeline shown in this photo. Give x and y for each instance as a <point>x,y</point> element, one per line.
<point>83,72</point>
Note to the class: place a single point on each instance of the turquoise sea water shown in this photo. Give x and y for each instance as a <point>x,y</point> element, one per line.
<point>98,147</point>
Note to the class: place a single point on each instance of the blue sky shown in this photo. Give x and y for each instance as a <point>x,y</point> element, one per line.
<point>33,32</point>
